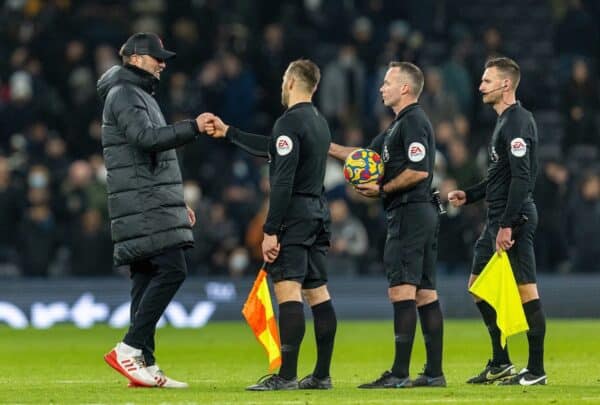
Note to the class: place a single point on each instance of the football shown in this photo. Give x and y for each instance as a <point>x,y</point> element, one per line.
<point>363,166</point>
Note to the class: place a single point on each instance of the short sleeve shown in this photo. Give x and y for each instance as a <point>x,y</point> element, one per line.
<point>415,136</point>
<point>517,140</point>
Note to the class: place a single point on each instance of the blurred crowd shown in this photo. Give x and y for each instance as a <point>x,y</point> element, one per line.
<point>230,59</point>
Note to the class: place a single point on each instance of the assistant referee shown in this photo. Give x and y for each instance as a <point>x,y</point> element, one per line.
<point>507,189</point>
<point>296,232</point>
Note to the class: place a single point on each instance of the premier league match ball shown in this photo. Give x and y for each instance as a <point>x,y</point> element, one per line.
<point>363,166</point>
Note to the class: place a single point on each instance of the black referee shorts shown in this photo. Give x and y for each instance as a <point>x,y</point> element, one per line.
<point>302,257</point>
<point>410,252</point>
<point>521,255</point>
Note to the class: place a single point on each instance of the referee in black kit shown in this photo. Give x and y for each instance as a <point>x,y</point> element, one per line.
<point>508,189</point>
<point>408,151</point>
<point>296,232</point>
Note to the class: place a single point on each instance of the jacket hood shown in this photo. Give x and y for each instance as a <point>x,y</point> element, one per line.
<point>127,74</point>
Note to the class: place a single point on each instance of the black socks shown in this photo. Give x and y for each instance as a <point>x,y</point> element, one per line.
<point>432,325</point>
<point>500,355</point>
<point>535,336</point>
<point>291,330</point>
<point>325,323</point>
<point>405,323</point>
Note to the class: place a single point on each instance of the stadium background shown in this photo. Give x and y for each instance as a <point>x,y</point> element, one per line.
<point>230,59</point>
<point>55,251</point>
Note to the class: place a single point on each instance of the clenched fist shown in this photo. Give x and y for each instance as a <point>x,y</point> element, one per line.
<point>202,120</point>
<point>216,128</point>
<point>457,198</point>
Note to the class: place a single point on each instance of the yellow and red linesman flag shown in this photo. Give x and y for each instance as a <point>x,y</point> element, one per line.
<point>497,286</point>
<point>258,312</point>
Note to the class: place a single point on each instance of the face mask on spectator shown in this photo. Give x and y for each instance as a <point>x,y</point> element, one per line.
<point>238,261</point>
<point>37,180</point>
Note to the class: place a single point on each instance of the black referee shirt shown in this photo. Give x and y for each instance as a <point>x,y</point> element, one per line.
<point>513,164</point>
<point>408,143</point>
<point>297,150</point>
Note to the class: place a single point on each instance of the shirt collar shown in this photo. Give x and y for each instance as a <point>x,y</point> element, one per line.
<point>298,105</point>
<point>405,110</point>
<point>512,107</point>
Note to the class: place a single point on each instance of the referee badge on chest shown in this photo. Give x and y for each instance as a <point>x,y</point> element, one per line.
<point>494,155</point>
<point>386,154</point>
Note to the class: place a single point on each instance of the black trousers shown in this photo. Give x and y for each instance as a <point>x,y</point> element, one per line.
<point>154,283</point>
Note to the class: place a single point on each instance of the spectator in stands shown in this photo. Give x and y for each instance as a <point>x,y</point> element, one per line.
<point>456,234</point>
<point>186,38</point>
<point>239,98</point>
<point>457,79</point>
<point>577,33</point>
<point>21,110</point>
<point>11,212</point>
<point>445,134</point>
<point>580,108</point>
<point>56,159</point>
<point>437,103</point>
<point>366,46</point>
<point>349,240</point>
<point>272,57</point>
<point>342,86</point>
<point>460,167</point>
<point>91,247</point>
<point>583,224</point>
<point>73,200</point>
<point>216,236</point>
<point>550,195</point>
<point>492,45</point>
<point>38,235</point>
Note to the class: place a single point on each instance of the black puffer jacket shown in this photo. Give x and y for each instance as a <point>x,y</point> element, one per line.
<point>145,191</point>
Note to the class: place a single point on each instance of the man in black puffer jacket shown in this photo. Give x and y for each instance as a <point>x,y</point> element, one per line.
<point>150,222</point>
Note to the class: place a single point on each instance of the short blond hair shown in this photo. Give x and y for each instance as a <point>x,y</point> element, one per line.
<point>507,67</point>
<point>307,72</point>
<point>414,73</point>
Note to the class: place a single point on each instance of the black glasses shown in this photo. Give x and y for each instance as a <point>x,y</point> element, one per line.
<point>159,60</point>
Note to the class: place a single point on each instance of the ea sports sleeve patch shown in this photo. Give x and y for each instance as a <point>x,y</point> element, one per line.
<point>284,145</point>
<point>518,147</point>
<point>416,152</point>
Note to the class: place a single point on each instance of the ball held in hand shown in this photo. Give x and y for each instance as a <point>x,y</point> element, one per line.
<point>363,166</point>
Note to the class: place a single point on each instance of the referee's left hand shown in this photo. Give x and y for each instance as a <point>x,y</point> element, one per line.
<point>270,248</point>
<point>504,239</point>
<point>370,190</point>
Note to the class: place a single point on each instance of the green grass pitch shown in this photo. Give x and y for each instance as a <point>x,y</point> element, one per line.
<point>64,365</point>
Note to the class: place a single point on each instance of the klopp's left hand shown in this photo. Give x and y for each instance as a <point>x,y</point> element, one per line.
<point>370,190</point>
<point>270,248</point>
<point>191,215</point>
<point>504,239</point>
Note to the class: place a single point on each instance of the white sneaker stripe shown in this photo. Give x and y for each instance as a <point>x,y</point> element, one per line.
<point>523,381</point>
